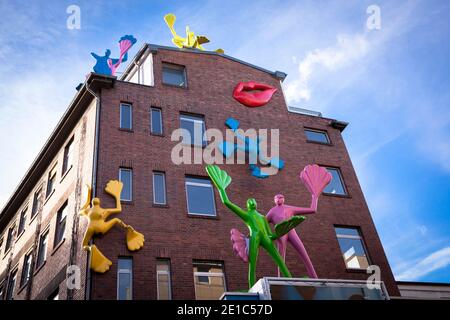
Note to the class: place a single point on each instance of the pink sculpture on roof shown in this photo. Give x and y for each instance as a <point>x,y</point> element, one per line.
<point>315,179</point>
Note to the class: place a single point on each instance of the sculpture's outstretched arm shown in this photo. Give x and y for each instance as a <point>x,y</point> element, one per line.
<point>114,188</point>
<point>300,210</point>
<point>221,180</point>
<point>95,55</point>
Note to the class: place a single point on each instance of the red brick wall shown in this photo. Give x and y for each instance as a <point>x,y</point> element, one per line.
<point>169,231</point>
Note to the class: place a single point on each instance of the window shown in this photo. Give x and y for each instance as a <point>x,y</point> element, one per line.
<point>159,188</point>
<point>1,244</point>
<point>126,177</point>
<point>317,136</point>
<point>126,116</point>
<point>68,154</point>
<point>26,270</point>
<point>163,280</point>
<point>36,203</point>
<point>42,251</point>
<point>2,290</point>
<point>125,279</point>
<point>209,280</point>
<point>200,196</point>
<point>11,285</point>
<point>51,182</point>
<point>174,75</point>
<point>22,220</point>
<point>54,295</point>
<point>156,121</point>
<point>352,248</point>
<point>335,186</point>
<point>10,237</point>
<point>61,218</point>
<point>194,129</point>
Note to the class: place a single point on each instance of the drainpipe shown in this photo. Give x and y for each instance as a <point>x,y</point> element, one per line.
<point>88,283</point>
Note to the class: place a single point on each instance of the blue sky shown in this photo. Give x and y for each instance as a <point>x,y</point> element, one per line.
<point>391,84</point>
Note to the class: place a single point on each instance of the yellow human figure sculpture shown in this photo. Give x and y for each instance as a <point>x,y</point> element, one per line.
<point>98,225</point>
<point>191,40</point>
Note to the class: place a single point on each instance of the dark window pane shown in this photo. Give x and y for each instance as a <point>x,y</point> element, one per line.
<point>42,253</point>
<point>159,188</point>
<point>67,161</point>
<point>10,237</point>
<point>125,116</point>
<point>36,202</point>
<point>125,176</point>
<point>23,218</point>
<point>61,224</point>
<point>156,121</point>
<point>200,197</point>
<point>11,285</point>
<point>317,136</point>
<point>335,186</point>
<point>174,75</point>
<point>26,270</point>
<point>51,181</point>
<point>195,130</point>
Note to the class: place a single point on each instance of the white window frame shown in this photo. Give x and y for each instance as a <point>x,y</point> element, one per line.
<point>160,120</point>
<point>341,180</point>
<point>125,271</point>
<point>358,237</point>
<point>169,279</point>
<point>186,117</point>
<point>164,187</point>
<point>197,184</point>
<point>210,274</point>
<point>131,116</point>
<point>131,182</point>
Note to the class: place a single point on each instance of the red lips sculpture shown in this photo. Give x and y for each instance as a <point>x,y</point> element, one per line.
<point>253,94</point>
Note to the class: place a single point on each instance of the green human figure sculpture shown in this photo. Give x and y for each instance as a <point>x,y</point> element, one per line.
<point>260,233</point>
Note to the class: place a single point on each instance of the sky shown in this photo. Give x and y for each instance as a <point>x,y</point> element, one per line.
<point>390,83</point>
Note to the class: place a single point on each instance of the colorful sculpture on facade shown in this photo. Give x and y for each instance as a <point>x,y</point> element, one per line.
<point>315,179</point>
<point>253,94</point>
<point>191,40</point>
<point>108,66</point>
<point>98,224</point>
<point>250,146</point>
<point>260,233</point>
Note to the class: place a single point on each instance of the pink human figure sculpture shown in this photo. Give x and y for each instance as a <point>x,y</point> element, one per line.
<point>315,179</point>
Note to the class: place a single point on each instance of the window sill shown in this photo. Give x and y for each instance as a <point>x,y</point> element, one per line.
<point>65,173</point>
<point>320,143</point>
<point>127,202</point>
<point>174,86</point>
<point>20,235</point>
<point>157,205</point>
<point>6,253</point>
<point>39,268</point>
<point>162,135</point>
<point>202,216</point>
<point>126,130</point>
<point>49,196</point>
<point>23,287</point>
<point>32,218</point>
<point>336,195</point>
<point>58,246</point>
<point>350,270</point>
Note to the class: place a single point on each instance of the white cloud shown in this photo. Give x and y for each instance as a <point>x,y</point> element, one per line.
<point>435,261</point>
<point>347,50</point>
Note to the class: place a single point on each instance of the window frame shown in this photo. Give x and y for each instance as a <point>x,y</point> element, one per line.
<point>327,136</point>
<point>10,237</point>
<point>341,179</point>
<point>22,221</point>
<point>131,116</point>
<point>160,121</point>
<point>61,209</point>
<point>67,156</point>
<point>209,274</point>
<point>37,203</point>
<point>25,278</point>
<point>39,264</point>
<point>174,66</point>
<point>186,183</point>
<point>10,292</point>
<point>130,273</point>
<point>163,174</point>
<point>163,272</point>
<point>51,177</point>
<point>131,182</point>
<point>358,237</point>
<point>188,117</point>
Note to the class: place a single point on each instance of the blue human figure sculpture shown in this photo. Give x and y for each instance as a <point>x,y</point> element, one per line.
<point>102,66</point>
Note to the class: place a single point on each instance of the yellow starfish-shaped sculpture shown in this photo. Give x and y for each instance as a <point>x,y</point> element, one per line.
<point>191,40</point>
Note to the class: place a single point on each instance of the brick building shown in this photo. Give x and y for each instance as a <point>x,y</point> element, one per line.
<point>121,129</point>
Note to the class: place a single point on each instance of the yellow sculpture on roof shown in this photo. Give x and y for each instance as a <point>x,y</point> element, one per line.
<point>98,225</point>
<point>191,40</point>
